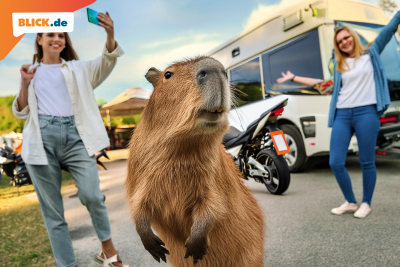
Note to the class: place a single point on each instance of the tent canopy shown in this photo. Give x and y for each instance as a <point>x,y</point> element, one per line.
<point>130,102</point>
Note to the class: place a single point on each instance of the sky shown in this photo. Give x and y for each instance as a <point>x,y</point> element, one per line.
<point>152,33</point>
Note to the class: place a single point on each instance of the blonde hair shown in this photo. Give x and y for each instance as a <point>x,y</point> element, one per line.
<point>341,64</point>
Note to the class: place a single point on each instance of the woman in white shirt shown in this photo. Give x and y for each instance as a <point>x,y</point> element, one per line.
<point>360,95</point>
<point>64,128</point>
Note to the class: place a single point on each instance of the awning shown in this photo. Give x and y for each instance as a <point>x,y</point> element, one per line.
<point>130,102</point>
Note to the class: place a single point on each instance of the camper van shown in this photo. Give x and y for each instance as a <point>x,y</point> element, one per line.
<point>300,39</point>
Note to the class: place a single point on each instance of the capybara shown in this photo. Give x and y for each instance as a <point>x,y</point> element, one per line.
<point>180,180</point>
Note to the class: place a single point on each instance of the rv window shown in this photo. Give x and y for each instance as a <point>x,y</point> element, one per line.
<point>301,56</point>
<point>247,80</point>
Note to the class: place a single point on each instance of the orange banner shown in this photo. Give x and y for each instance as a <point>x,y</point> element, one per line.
<point>7,7</point>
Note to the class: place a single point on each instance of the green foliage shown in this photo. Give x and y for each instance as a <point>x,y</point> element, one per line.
<point>249,93</point>
<point>133,119</point>
<point>100,101</point>
<point>387,5</point>
<point>8,122</point>
<point>123,120</point>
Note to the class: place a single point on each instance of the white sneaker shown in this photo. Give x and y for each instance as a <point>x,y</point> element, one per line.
<point>344,208</point>
<point>363,211</point>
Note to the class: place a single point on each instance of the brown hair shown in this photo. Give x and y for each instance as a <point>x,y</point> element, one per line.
<point>341,56</point>
<point>68,53</point>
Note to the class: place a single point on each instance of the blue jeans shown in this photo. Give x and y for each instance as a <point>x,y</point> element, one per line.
<point>64,146</point>
<point>364,122</point>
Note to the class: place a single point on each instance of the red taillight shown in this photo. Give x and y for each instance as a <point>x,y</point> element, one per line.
<point>382,153</point>
<point>387,119</point>
<point>276,112</point>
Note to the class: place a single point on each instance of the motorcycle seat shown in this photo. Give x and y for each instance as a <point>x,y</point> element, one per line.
<point>233,133</point>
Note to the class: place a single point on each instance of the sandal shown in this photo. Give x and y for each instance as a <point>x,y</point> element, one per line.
<point>107,262</point>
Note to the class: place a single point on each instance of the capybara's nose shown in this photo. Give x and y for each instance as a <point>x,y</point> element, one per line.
<point>213,84</point>
<point>207,74</point>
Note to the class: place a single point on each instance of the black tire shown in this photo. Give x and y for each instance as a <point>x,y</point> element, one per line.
<point>297,158</point>
<point>278,168</point>
<point>9,169</point>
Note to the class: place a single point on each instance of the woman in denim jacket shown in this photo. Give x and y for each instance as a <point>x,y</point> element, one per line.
<point>64,128</point>
<point>360,96</point>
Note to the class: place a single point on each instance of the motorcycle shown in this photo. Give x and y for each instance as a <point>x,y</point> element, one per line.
<point>259,150</point>
<point>14,166</point>
<point>7,161</point>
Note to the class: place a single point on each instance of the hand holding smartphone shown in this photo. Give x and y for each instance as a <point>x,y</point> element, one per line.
<point>92,16</point>
<point>105,21</point>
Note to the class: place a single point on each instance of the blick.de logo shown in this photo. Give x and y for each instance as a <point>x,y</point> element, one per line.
<point>42,22</point>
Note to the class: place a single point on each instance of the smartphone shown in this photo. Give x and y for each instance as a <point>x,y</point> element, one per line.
<point>92,16</point>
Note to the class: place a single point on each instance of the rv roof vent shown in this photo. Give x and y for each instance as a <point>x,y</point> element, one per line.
<point>292,20</point>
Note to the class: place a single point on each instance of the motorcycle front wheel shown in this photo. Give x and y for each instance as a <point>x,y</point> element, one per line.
<point>278,169</point>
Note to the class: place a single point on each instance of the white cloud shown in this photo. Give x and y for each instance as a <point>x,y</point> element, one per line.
<point>10,85</point>
<point>259,15</point>
<point>23,50</point>
<point>163,43</point>
<point>132,69</point>
<point>89,48</point>
<point>181,40</point>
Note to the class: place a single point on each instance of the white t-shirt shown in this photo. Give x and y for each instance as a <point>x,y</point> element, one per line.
<point>51,91</point>
<point>358,84</point>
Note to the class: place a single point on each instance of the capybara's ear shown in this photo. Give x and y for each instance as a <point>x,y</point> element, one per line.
<point>152,76</point>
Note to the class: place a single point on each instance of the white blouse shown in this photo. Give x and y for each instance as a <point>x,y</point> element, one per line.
<point>358,84</point>
<point>52,92</point>
<point>81,77</point>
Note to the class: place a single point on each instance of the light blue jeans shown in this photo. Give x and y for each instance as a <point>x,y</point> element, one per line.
<point>364,122</point>
<point>64,146</point>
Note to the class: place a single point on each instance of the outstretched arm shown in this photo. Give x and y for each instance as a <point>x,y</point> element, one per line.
<point>387,32</point>
<point>298,79</point>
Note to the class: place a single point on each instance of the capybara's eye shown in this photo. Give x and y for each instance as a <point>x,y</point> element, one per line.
<point>226,74</point>
<point>202,74</point>
<point>168,75</point>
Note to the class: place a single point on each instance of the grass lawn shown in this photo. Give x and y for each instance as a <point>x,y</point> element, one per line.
<point>24,239</point>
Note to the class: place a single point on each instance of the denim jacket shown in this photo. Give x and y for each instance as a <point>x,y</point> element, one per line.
<point>382,89</point>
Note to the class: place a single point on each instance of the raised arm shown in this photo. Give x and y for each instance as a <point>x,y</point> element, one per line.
<point>102,66</point>
<point>108,24</point>
<point>387,32</point>
<point>298,79</point>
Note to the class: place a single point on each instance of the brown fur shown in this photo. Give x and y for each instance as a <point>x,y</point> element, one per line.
<point>183,183</point>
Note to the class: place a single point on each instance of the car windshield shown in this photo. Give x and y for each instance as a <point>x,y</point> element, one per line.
<point>390,56</point>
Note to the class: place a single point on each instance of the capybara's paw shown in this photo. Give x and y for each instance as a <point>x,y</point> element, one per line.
<point>155,246</point>
<point>197,248</point>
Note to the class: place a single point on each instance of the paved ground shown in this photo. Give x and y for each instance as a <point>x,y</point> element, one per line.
<point>301,230</point>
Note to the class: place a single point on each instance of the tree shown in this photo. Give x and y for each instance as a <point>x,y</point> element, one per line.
<point>100,101</point>
<point>387,5</point>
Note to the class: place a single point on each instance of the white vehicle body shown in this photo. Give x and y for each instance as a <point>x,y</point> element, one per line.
<point>261,54</point>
